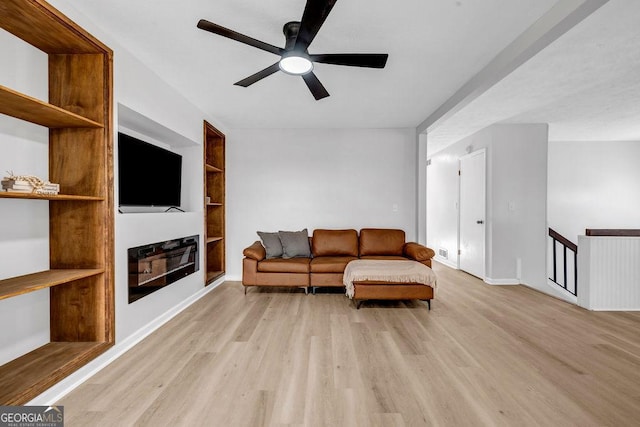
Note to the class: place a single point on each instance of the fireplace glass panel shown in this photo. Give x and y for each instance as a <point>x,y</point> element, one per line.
<point>154,266</point>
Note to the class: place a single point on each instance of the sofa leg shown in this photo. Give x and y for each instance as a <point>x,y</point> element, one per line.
<point>313,290</point>
<point>429,304</point>
<point>358,303</point>
<point>245,290</point>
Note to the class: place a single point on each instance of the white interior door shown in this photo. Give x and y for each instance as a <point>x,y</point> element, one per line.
<point>472,213</point>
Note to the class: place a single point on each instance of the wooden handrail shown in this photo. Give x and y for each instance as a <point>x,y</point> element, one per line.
<point>560,238</point>
<point>628,232</point>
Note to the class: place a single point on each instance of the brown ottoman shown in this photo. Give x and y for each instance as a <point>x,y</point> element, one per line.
<point>389,280</point>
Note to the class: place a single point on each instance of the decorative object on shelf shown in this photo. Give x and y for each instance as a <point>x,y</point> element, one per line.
<point>29,184</point>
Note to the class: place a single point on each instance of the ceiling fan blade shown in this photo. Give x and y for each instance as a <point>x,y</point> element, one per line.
<point>203,24</point>
<point>258,76</point>
<point>315,13</point>
<point>369,60</point>
<point>315,86</point>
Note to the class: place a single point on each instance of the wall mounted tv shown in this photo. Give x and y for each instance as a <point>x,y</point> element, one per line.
<point>148,175</point>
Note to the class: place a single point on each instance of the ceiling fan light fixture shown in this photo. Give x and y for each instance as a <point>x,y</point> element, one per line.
<point>296,64</point>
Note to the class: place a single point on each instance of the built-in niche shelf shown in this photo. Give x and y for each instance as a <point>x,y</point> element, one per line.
<point>34,196</point>
<point>213,275</point>
<point>214,192</point>
<point>22,379</point>
<point>45,279</point>
<point>33,110</point>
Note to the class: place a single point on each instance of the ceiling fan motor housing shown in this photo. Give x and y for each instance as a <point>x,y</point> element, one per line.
<point>290,30</point>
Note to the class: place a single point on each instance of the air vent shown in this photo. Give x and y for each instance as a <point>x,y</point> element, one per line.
<point>443,253</point>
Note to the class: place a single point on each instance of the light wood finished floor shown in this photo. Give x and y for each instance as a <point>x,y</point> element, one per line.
<point>484,355</point>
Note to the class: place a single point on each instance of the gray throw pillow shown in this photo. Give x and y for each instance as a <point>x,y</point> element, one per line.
<point>271,243</point>
<point>295,244</point>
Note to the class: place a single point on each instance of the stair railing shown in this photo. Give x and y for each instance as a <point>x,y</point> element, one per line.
<point>567,245</point>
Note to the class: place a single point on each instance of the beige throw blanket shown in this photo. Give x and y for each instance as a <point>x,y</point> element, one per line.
<point>394,271</point>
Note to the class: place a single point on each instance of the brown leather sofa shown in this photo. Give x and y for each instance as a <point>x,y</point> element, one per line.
<point>331,251</point>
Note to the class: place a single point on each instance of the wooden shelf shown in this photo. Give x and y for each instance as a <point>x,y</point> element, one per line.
<point>26,377</point>
<point>212,169</point>
<point>18,105</point>
<point>214,190</point>
<point>44,279</point>
<point>9,195</point>
<point>213,275</point>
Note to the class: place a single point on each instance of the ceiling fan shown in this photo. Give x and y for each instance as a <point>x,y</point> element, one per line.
<point>294,57</point>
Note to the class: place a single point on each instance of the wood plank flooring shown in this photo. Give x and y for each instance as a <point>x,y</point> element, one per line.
<point>484,355</point>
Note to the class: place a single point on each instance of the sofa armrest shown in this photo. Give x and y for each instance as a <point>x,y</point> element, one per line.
<point>255,251</point>
<point>418,252</point>
<point>249,272</point>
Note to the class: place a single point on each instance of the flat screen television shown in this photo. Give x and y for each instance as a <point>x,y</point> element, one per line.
<point>148,175</point>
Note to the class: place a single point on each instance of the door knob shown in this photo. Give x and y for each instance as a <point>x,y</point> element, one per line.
<point>479,221</point>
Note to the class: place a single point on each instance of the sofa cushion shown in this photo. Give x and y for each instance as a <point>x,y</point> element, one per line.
<point>334,243</point>
<point>385,257</point>
<point>381,241</point>
<point>330,264</point>
<point>282,265</point>
<point>271,243</point>
<point>295,244</point>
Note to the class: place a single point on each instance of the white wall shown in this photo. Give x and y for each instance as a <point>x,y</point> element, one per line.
<point>593,185</point>
<point>442,196</point>
<point>335,178</point>
<point>516,201</point>
<point>519,203</point>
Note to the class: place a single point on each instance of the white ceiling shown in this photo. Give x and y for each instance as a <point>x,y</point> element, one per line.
<point>434,47</point>
<point>586,84</point>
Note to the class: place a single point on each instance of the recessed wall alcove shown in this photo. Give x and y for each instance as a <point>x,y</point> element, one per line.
<point>140,126</point>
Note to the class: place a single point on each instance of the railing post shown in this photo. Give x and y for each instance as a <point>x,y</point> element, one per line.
<point>565,267</point>
<point>554,259</point>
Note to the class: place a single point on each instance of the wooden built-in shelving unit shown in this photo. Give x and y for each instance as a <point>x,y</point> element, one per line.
<point>79,116</point>
<point>214,216</point>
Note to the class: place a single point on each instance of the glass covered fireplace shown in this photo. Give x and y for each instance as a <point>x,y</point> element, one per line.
<point>154,266</point>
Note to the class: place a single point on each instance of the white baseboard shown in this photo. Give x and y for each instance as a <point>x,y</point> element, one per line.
<point>67,385</point>
<point>446,262</point>
<point>490,281</point>
<point>613,309</point>
<point>554,293</point>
